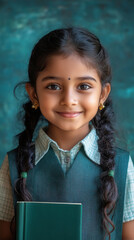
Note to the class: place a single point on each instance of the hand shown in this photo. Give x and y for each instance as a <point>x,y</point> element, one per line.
<point>5,233</point>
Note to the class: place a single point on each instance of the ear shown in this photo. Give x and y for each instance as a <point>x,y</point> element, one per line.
<point>105,92</point>
<point>31,92</point>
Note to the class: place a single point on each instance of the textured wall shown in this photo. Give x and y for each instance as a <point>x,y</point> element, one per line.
<point>23,22</point>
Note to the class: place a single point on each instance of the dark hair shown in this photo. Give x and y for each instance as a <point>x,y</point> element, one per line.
<point>86,45</point>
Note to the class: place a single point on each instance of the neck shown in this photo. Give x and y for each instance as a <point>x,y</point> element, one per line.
<point>67,139</point>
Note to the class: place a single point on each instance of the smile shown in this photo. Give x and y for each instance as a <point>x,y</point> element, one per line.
<point>69,114</point>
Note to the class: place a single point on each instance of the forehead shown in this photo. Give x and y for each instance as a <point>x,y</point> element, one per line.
<point>69,65</point>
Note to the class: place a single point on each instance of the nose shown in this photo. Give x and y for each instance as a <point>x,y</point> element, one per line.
<point>69,98</point>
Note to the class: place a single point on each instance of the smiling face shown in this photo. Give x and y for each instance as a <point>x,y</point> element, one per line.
<point>69,93</point>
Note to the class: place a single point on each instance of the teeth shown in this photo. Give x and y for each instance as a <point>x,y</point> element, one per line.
<point>69,114</point>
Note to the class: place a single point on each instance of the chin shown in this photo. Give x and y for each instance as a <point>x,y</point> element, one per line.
<point>68,129</point>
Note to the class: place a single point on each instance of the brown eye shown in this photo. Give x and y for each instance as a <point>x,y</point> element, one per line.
<point>53,87</point>
<point>84,86</point>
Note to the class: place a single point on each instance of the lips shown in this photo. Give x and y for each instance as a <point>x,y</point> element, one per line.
<point>69,114</point>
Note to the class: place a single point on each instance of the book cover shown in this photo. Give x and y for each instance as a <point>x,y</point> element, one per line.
<point>48,221</point>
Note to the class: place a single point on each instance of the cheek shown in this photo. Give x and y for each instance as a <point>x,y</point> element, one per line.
<point>46,102</point>
<point>91,101</point>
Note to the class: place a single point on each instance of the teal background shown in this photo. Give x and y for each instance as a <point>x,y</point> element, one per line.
<point>22,23</point>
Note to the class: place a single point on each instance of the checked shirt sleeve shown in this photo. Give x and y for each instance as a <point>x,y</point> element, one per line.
<point>6,198</point>
<point>128,214</point>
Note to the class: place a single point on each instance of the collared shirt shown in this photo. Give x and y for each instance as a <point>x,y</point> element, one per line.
<point>66,158</point>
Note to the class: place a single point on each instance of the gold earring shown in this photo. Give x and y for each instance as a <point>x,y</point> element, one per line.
<point>101,106</point>
<point>35,105</point>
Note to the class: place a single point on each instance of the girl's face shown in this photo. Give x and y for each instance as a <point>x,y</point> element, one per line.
<point>69,93</point>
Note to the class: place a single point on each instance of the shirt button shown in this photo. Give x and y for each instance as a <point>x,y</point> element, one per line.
<point>67,160</point>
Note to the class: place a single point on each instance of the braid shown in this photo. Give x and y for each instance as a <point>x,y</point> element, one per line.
<point>108,189</point>
<point>25,151</point>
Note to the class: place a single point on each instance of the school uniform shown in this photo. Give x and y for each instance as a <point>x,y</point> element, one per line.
<point>73,176</point>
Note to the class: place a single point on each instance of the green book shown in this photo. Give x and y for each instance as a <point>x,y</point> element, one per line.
<point>48,221</point>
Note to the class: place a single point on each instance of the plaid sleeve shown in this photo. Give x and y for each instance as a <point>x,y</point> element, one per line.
<point>128,214</point>
<point>6,199</point>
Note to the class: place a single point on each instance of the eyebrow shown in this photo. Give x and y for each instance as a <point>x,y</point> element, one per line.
<point>87,78</point>
<point>59,78</point>
<point>51,78</point>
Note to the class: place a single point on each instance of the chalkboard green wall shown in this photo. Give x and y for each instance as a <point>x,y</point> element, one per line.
<point>22,23</point>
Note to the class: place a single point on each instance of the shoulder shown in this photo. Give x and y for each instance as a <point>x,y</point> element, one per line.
<point>121,152</point>
<point>122,157</point>
<point>121,165</point>
<point>12,151</point>
<point>4,164</point>
<point>12,156</point>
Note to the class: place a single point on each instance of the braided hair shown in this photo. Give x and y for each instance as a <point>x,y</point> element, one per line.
<point>86,45</point>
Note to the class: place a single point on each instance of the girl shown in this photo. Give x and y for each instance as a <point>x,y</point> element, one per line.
<point>74,158</point>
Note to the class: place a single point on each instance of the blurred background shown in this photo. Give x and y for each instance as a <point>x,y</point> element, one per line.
<point>22,23</point>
